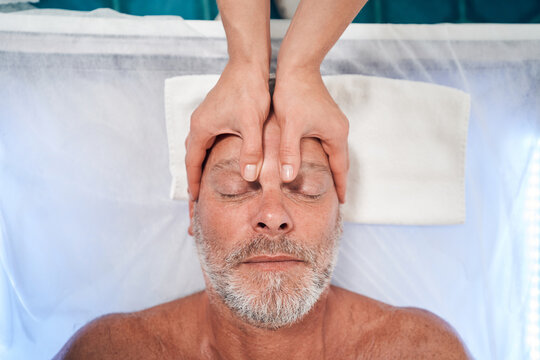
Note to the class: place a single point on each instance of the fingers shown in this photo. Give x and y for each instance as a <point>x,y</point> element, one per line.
<point>238,104</point>
<point>337,149</point>
<point>195,154</point>
<point>289,153</point>
<point>251,153</point>
<point>338,157</point>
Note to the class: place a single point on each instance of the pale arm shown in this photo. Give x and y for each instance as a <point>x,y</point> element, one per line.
<point>247,27</point>
<point>314,29</point>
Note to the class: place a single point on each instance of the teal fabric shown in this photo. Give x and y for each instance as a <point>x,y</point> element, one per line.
<point>451,11</point>
<point>188,9</point>
<point>85,5</point>
<point>375,11</point>
<point>192,10</point>
<point>505,11</point>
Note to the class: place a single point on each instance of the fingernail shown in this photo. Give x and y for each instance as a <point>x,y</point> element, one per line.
<point>250,172</point>
<point>287,172</point>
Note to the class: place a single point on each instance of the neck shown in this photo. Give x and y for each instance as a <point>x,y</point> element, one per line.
<point>229,337</point>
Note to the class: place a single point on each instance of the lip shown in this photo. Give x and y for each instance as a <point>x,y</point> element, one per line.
<point>272,259</point>
<point>272,263</point>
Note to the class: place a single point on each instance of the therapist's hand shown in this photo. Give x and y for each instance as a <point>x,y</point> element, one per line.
<point>304,108</point>
<point>238,104</point>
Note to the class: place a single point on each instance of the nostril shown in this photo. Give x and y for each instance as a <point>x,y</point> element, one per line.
<point>262,226</point>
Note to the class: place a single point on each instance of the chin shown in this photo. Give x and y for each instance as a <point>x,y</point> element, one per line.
<point>273,300</point>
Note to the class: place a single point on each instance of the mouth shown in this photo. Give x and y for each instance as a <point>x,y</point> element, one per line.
<point>272,262</point>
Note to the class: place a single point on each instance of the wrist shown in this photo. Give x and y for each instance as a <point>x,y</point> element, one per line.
<point>250,67</point>
<point>296,56</point>
<point>248,54</point>
<point>288,68</point>
<point>293,74</point>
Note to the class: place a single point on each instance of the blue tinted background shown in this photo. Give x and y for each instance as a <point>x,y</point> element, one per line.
<point>375,11</point>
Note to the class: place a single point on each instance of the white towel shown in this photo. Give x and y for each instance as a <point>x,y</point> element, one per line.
<point>407,145</point>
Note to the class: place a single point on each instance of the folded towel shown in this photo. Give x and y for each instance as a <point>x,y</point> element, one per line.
<point>407,145</point>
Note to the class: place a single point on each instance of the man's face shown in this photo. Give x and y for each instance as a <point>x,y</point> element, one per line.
<point>267,248</point>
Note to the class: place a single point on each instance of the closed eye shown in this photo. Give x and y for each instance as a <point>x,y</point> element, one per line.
<point>311,188</point>
<point>311,197</point>
<point>305,195</point>
<point>237,189</point>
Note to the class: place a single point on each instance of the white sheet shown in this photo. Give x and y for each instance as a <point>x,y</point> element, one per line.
<point>87,226</point>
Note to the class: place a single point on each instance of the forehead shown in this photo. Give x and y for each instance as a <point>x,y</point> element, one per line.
<point>225,154</point>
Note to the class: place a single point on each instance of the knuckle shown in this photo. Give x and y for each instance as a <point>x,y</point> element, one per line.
<point>251,150</point>
<point>192,168</point>
<point>250,118</point>
<point>339,173</point>
<point>192,159</point>
<point>189,157</point>
<point>195,117</point>
<point>288,151</point>
<point>339,168</point>
<point>249,157</point>
<point>253,147</point>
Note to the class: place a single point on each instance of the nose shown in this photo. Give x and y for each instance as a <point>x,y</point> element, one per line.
<point>272,218</point>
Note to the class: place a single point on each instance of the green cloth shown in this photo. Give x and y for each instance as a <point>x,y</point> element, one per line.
<point>188,9</point>
<point>451,11</point>
<point>375,11</point>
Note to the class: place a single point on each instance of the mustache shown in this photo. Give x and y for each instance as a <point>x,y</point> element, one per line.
<point>264,245</point>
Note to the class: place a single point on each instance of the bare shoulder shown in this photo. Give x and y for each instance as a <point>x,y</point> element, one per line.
<point>382,331</point>
<point>426,335</point>
<point>97,339</point>
<point>147,334</point>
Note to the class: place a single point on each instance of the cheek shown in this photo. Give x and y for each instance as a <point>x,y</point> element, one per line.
<point>228,223</point>
<point>316,222</point>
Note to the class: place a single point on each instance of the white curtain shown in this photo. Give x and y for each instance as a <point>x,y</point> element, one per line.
<point>86,225</point>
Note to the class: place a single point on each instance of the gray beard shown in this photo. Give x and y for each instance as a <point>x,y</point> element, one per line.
<point>268,300</point>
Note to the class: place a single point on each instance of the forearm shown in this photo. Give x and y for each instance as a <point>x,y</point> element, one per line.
<point>247,27</point>
<point>314,29</point>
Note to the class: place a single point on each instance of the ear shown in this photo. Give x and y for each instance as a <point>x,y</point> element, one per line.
<point>190,228</point>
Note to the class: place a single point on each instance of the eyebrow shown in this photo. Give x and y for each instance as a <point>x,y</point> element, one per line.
<point>234,164</point>
<point>314,166</point>
<point>226,164</point>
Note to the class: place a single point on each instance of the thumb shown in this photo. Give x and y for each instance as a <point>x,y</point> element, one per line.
<point>251,152</point>
<point>289,153</point>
